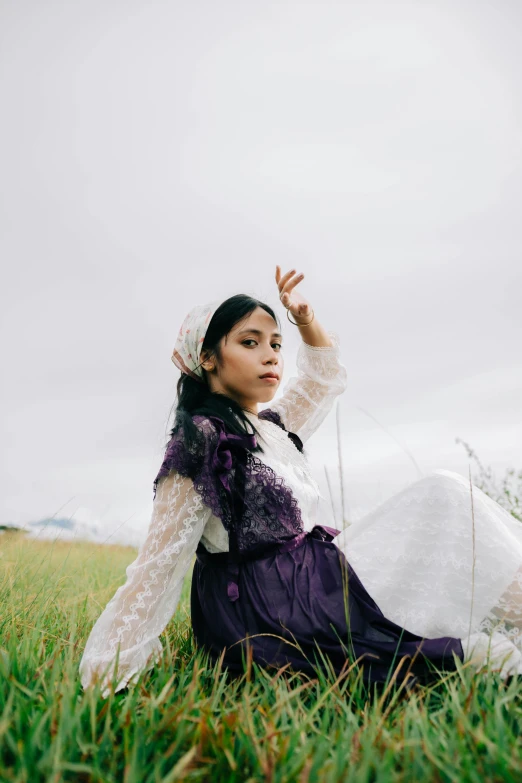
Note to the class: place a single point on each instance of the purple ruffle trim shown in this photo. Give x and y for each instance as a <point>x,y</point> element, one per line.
<point>254,504</point>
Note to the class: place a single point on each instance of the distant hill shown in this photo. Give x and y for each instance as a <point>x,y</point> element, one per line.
<point>81,526</point>
<point>67,524</point>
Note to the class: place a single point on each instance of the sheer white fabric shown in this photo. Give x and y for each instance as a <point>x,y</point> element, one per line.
<point>436,570</point>
<point>308,397</point>
<point>141,608</point>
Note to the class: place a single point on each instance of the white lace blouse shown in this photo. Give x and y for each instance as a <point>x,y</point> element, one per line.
<point>141,608</point>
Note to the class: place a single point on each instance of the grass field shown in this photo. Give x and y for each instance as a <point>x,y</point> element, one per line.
<point>187,721</point>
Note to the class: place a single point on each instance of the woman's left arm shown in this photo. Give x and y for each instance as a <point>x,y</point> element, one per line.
<point>308,397</point>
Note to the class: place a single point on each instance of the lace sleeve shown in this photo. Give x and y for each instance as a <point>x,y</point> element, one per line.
<point>141,607</point>
<point>308,397</point>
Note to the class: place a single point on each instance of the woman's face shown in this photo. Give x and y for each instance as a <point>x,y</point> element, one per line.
<point>252,349</point>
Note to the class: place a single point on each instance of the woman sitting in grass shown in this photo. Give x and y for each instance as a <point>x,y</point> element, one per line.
<point>397,591</point>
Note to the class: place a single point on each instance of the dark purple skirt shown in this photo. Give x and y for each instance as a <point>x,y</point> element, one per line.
<point>306,596</point>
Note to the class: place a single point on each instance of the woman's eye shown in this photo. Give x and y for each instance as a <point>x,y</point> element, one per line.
<point>254,341</point>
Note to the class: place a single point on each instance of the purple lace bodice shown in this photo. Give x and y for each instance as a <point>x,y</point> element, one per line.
<point>254,504</point>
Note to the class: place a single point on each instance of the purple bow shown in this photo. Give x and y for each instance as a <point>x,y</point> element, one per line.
<point>222,456</point>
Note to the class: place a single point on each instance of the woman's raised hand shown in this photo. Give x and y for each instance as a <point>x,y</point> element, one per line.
<point>292,300</point>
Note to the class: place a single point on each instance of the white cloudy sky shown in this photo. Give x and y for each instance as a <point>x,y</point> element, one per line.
<point>157,154</point>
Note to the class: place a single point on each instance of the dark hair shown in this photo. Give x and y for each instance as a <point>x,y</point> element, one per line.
<point>196,397</point>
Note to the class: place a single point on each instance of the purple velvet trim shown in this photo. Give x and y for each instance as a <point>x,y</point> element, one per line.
<point>253,502</point>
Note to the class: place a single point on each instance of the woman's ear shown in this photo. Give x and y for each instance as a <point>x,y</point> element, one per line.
<point>205,362</point>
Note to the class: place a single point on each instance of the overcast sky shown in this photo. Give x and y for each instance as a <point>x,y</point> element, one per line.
<point>156,155</point>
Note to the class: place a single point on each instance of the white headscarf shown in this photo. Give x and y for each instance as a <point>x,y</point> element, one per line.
<point>187,351</point>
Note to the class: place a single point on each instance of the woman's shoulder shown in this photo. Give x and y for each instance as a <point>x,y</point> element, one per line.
<point>204,421</point>
<point>187,452</point>
<point>196,439</point>
<point>207,425</point>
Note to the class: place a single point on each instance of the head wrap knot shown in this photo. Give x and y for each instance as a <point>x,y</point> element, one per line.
<point>187,350</point>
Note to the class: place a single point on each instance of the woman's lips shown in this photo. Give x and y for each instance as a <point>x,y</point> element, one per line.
<point>269,379</point>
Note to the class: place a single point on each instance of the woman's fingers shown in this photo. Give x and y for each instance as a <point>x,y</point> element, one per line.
<point>283,280</point>
<point>288,286</point>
